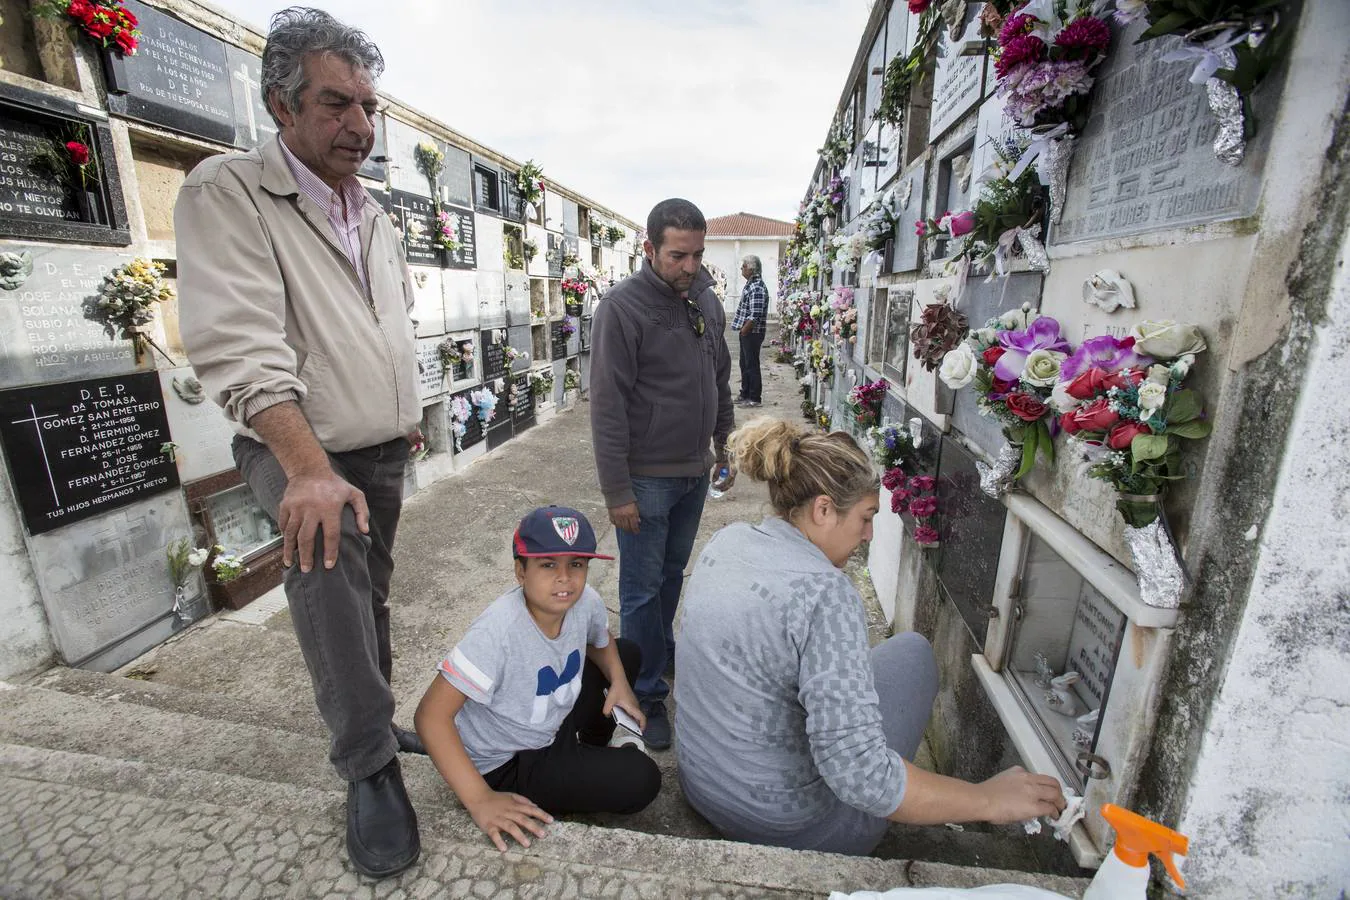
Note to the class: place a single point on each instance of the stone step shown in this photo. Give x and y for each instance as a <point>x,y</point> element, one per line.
<point>70,821</point>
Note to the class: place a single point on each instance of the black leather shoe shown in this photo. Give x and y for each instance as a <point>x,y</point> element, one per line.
<point>408,741</point>
<point>382,835</point>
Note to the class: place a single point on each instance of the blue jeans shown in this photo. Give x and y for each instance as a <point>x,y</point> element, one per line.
<point>651,572</point>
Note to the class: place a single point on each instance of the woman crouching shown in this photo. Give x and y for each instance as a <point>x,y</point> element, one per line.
<point>791,731</point>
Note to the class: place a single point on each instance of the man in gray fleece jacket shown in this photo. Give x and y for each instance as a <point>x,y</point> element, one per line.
<point>660,415</point>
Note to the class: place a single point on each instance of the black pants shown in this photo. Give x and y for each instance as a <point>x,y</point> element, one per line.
<point>341,615</point>
<point>751,386</point>
<point>577,773</point>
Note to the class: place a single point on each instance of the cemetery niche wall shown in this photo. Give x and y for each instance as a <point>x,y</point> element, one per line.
<point>1137,209</point>
<point>110,454</point>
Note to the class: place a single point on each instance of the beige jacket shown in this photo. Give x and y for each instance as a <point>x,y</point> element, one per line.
<point>270,308</point>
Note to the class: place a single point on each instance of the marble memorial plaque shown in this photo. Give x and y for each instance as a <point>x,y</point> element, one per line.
<point>518,336</point>
<point>876,71</point>
<point>428,300</point>
<point>196,425</point>
<point>416,220</point>
<point>178,78</point>
<point>517,298</point>
<point>900,26</point>
<point>971,528</point>
<point>456,181</point>
<point>491,299</point>
<point>253,124</point>
<point>490,242</point>
<point>899,302</point>
<point>430,372</point>
<point>44,335</point>
<point>82,448</point>
<point>888,153</point>
<point>983,300</point>
<point>491,347</point>
<point>1145,162</point>
<point>909,206</point>
<point>922,386</point>
<point>404,175</point>
<point>466,233</point>
<point>571,218</point>
<point>461,299</point>
<point>957,80</point>
<point>993,130</point>
<point>105,577</point>
<point>553,210</point>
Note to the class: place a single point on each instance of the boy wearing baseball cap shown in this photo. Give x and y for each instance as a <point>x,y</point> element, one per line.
<point>517,719</point>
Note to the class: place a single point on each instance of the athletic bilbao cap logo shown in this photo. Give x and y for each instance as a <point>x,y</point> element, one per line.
<point>568,528</point>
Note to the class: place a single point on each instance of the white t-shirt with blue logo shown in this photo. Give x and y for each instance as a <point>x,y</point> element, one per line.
<point>519,683</point>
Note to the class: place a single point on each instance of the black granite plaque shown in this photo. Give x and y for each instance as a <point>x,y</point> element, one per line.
<point>515,203</point>
<point>554,255</point>
<point>523,407</point>
<point>34,201</point>
<point>456,179</point>
<point>519,337</point>
<point>417,221</point>
<point>82,448</point>
<point>585,331</point>
<point>374,166</point>
<point>177,79</point>
<point>253,124</point>
<point>494,355</point>
<point>571,217</point>
<point>557,339</point>
<point>571,246</point>
<point>473,428</point>
<point>971,527</point>
<point>466,256</point>
<point>499,432</point>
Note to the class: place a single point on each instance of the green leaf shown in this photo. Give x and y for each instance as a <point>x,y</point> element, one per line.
<point>1173,21</point>
<point>1047,443</point>
<point>1193,430</point>
<point>1028,452</point>
<point>1183,406</point>
<point>1148,446</point>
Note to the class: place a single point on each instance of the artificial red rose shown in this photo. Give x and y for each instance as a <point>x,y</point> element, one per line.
<point>1096,416</point>
<point>1088,385</point>
<point>80,10</point>
<point>126,42</point>
<point>1123,434</point>
<point>918,7</point>
<point>100,26</point>
<point>991,354</point>
<point>79,153</point>
<point>1000,387</point>
<point>128,18</point>
<point>1025,407</point>
<point>1127,378</point>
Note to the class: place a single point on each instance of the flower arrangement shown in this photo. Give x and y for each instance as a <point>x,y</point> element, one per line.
<point>530,182</point>
<point>1233,45</point>
<point>1045,62</point>
<point>809,411</point>
<point>430,162</point>
<point>574,290</point>
<point>835,193</point>
<point>485,404</point>
<point>107,22</point>
<point>541,383</point>
<point>461,411</point>
<point>418,448</point>
<point>124,304</point>
<point>822,362</point>
<point>879,225</point>
<point>1122,403</point>
<point>455,352</point>
<point>1014,363</point>
<point>915,495</point>
<point>68,159</point>
<point>613,233</point>
<point>906,71</point>
<point>569,326</point>
<point>837,147</point>
<point>940,329</point>
<point>226,567</point>
<point>184,559</point>
<point>445,235</point>
<point>571,380</point>
<point>893,450</point>
<point>513,355</point>
<point>864,402</point>
<point>823,417</point>
<point>848,250</point>
<point>531,250</point>
<point>781,352</point>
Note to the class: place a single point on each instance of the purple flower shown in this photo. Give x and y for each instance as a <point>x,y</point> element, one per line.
<point>1107,353</point>
<point>1043,334</point>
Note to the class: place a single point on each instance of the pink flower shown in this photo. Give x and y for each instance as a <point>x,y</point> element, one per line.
<point>922,507</point>
<point>920,483</point>
<point>1085,33</point>
<point>925,534</point>
<point>1015,26</point>
<point>898,502</point>
<point>920,228</point>
<point>961,223</point>
<point>892,479</point>
<point>1024,48</point>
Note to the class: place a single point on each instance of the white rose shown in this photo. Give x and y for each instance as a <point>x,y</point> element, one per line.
<point>986,336</point>
<point>1159,374</point>
<point>1152,395</point>
<point>198,556</point>
<point>1167,339</point>
<point>1042,367</point>
<point>958,366</point>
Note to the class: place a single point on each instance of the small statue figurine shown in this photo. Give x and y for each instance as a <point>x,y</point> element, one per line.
<point>1061,697</point>
<point>1043,671</point>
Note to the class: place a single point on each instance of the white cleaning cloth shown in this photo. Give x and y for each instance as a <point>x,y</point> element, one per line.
<point>1073,811</point>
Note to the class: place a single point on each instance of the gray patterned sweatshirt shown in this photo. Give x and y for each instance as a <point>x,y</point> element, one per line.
<point>776,711</point>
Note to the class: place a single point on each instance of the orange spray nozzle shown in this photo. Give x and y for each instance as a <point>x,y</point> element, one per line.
<point>1137,837</point>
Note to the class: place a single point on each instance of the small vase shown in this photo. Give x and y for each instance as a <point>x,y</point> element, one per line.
<point>90,207</point>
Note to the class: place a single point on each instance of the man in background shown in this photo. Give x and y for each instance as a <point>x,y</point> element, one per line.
<point>751,317</point>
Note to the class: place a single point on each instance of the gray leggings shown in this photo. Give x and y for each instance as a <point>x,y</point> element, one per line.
<point>906,679</point>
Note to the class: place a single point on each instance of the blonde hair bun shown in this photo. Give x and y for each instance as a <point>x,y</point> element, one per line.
<point>800,464</point>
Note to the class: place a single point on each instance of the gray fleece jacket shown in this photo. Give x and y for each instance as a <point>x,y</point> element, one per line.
<point>660,393</point>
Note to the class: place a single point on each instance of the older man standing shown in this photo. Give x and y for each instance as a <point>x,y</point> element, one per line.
<point>749,322</point>
<point>295,312</point>
<point>660,415</point>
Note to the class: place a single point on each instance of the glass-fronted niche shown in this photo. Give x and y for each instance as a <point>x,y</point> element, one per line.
<point>1073,662</point>
<point>239,524</point>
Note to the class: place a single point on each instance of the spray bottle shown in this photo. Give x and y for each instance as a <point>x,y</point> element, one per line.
<point>1124,873</point>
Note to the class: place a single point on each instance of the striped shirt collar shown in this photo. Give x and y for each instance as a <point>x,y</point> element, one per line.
<point>317,190</point>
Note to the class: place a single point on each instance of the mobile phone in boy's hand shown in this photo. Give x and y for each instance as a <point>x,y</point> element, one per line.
<point>622,717</point>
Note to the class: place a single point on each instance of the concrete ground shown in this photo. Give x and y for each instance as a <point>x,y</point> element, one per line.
<point>200,769</point>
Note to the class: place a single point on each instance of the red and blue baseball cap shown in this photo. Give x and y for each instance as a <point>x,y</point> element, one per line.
<point>555,531</point>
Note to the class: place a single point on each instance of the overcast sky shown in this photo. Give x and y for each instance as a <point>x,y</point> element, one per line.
<point>722,102</point>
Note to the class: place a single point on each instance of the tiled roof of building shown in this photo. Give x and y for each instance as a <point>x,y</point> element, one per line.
<point>744,224</point>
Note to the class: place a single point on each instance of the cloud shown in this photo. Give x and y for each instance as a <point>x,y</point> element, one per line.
<point>721,101</point>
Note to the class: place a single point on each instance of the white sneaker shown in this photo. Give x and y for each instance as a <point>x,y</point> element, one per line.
<point>625,738</point>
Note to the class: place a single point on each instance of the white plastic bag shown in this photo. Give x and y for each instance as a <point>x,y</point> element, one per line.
<point>988,892</point>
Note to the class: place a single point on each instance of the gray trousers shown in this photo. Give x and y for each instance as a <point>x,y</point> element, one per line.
<point>906,679</point>
<point>341,615</point>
